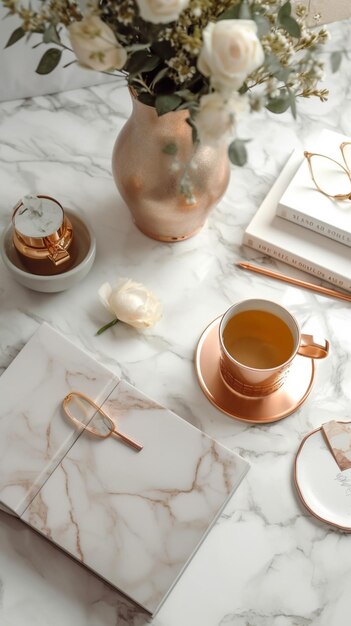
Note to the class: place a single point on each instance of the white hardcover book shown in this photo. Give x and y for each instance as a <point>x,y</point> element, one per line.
<point>302,248</point>
<point>304,205</point>
<point>134,518</point>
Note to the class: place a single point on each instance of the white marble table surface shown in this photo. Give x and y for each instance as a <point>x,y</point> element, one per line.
<point>267,562</point>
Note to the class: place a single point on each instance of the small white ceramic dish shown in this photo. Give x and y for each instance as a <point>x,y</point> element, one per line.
<point>324,489</point>
<point>59,282</point>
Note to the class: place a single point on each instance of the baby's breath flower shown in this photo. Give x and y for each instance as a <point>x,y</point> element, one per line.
<point>273,87</point>
<point>182,69</point>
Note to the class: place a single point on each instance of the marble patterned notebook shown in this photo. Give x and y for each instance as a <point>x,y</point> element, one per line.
<point>133,518</point>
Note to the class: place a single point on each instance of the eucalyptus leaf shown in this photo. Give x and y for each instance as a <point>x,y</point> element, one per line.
<point>151,63</point>
<point>275,68</point>
<point>245,11</point>
<point>237,152</point>
<point>146,98</point>
<point>16,36</point>
<point>166,103</point>
<point>284,11</point>
<point>278,105</point>
<point>141,61</point>
<point>263,24</point>
<point>230,14</point>
<point>51,35</point>
<point>291,26</point>
<point>335,61</point>
<point>271,62</point>
<point>282,73</point>
<point>49,61</point>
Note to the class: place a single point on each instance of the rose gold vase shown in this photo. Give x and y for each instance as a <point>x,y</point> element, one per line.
<point>169,186</point>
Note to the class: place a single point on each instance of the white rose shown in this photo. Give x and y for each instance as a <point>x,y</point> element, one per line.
<point>131,303</point>
<point>95,44</point>
<point>161,11</point>
<point>215,120</point>
<point>231,51</point>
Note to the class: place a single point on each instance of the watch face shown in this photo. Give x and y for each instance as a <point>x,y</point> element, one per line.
<point>38,216</point>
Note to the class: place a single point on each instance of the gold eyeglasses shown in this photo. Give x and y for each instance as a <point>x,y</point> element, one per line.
<point>331,178</point>
<point>100,425</point>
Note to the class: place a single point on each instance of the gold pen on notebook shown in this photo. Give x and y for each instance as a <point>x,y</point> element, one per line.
<point>323,291</point>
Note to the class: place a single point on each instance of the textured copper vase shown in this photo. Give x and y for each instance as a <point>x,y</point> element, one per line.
<point>168,185</point>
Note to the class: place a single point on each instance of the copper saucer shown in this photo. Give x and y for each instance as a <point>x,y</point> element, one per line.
<point>264,410</point>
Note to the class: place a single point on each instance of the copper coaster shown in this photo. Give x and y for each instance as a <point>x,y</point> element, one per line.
<point>272,408</point>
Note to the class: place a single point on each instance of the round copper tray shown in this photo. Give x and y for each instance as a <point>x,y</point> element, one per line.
<point>262,410</point>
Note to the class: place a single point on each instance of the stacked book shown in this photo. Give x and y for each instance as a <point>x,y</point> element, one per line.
<point>302,226</point>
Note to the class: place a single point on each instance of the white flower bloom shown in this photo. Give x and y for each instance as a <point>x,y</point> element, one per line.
<point>95,45</point>
<point>231,51</point>
<point>131,303</point>
<point>161,11</point>
<point>215,121</point>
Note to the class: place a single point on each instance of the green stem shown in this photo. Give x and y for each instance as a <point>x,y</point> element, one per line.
<point>103,328</point>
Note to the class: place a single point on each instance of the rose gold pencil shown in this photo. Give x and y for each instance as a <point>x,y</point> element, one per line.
<point>324,291</point>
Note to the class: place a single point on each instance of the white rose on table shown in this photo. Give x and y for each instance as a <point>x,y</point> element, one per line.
<point>130,302</point>
<point>231,51</point>
<point>95,45</point>
<point>161,11</point>
<point>217,115</point>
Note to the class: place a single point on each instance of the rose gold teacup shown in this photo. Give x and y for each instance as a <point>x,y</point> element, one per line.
<point>259,379</point>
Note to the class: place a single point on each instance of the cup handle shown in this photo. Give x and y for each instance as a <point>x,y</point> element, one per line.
<point>308,347</point>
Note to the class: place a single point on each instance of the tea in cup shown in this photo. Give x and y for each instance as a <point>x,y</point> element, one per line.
<point>258,341</point>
